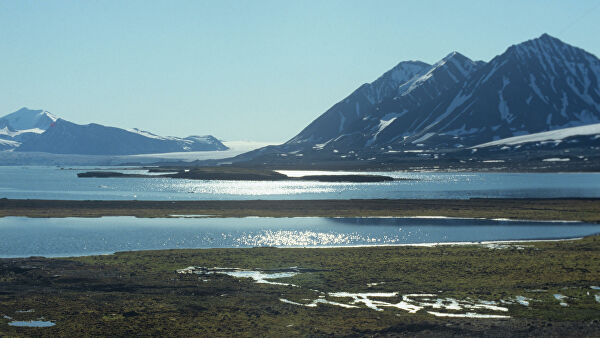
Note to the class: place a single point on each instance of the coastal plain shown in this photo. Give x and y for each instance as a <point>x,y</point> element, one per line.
<point>534,288</point>
<point>539,288</point>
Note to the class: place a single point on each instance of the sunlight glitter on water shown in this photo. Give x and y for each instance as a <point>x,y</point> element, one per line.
<point>259,188</point>
<point>54,183</point>
<point>292,238</point>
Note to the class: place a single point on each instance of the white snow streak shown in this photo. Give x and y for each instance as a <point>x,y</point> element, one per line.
<point>553,135</point>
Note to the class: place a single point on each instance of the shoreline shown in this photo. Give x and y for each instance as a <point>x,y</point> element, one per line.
<point>551,209</point>
<point>358,246</point>
<point>544,288</point>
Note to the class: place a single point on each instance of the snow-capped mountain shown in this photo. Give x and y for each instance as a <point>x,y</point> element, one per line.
<point>345,113</point>
<point>413,110</point>
<point>39,131</point>
<point>539,85</point>
<point>536,86</point>
<point>22,125</point>
<point>27,119</point>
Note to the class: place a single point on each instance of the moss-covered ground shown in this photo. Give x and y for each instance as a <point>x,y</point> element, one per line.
<point>140,293</point>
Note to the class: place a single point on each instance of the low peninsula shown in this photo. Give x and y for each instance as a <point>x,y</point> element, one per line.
<point>568,209</point>
<point>234,174</point>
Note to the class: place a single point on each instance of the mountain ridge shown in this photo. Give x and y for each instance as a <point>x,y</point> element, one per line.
<point>535,86</point>
<point>39,131</point>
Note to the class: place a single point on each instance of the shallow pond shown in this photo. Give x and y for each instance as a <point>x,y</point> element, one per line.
<point>51,237</point>
<point>32,323</point>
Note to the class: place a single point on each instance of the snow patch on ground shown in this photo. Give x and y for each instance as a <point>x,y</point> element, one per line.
<point>411,303</point>
<point>261,277</point>
<point>465,315</point>
<point>561,299</point>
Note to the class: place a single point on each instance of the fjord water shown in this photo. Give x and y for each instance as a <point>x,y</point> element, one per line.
<point>23,237</point>
<point>53,183</point>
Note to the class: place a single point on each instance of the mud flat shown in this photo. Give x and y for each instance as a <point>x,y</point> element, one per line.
<point>586,210</point>
<point>450,290</point>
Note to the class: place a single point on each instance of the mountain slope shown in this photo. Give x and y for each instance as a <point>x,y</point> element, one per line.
<point>65,137</point>
<point>415,109</point>
<point>553,136</point>
<point>24,119</point>
<point>23,125</point>
<point>354,107</point>
<point>536,86</point>
<point>8,144</point>
<point>39,131</point>
<point>539,85</point>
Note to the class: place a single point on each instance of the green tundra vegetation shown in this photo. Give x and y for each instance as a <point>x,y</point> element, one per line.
<point>576,209</point>
<point>141,293</point>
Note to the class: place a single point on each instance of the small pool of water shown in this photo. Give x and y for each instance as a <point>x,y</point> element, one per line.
<point>55,237</point>
<point>32,323</point>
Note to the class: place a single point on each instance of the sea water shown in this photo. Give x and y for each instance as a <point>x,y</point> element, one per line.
<point>55,183</point>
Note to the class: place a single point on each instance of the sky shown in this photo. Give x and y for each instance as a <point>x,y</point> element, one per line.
<point>245,70</point>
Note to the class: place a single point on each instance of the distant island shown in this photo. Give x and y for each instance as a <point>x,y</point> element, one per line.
<point>235,174</point>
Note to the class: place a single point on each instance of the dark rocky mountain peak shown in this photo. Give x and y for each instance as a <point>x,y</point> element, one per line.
<point>535,86</point>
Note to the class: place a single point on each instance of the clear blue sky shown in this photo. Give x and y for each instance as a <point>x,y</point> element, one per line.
<point>245,70</point>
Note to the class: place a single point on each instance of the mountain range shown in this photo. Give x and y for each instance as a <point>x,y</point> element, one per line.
<point>450,108</point>
<point>39,131</point>
<point>534,106</point>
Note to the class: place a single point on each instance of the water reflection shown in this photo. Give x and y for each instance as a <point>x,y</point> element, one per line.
<point>86,236</point>
<point>31,323</point>
<point>53,183</point>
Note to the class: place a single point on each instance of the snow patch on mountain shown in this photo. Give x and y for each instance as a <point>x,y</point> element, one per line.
<point>25,118</point>
<point>12,133</point>
<point>423,138</point>
<point>384,122</point>
<point>463,131</point>
<point>458,100</point>
<point>8,143</point>
<point>146,134</point>
<point>553,135</point>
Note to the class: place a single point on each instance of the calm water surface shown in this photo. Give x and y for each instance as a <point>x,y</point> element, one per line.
<point>22,237</point>
<point>32,323</point>
<point>54,183</point>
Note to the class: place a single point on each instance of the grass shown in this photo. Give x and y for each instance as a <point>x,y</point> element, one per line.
<point>587,210</point>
